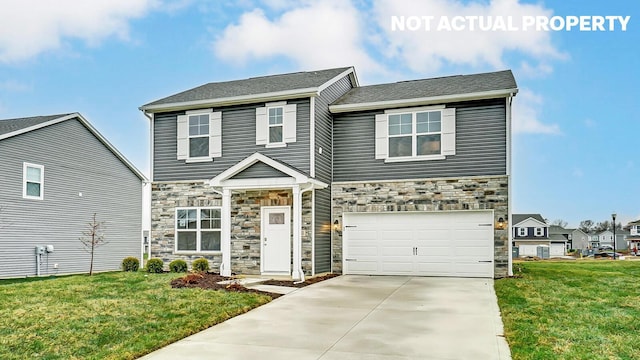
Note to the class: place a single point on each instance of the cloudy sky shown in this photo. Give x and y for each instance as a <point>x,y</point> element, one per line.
<point>576,130</point>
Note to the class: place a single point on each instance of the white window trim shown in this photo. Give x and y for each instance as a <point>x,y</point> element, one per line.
<point>269,126</point>
<point>447,134</point>
<point>539,232</point>
<point>197,230</point>
<point>189,137</point>
<point>24,181</point>
<point>289,124</point>
<point>522,231</point>
<point>214,136</point>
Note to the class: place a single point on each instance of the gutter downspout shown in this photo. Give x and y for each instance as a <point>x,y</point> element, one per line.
<point>150,117</point>
<point>298,245</point>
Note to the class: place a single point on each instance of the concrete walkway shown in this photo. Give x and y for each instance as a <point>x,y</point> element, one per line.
<point>360,317</point>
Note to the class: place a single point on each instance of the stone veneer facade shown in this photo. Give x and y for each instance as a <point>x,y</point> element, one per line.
<point>245,223</point>
<point>446,194</point>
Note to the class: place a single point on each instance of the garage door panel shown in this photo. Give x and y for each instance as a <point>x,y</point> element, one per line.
<point>429,244</point>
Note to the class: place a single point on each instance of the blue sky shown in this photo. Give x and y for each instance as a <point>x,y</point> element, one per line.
<point>576,120</point>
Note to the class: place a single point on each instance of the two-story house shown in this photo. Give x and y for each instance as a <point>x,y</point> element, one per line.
<point>634,235</point>
<point>56,172</point>
<point>529,231</point>
<point>306,173</point>
<point>605,238</point>
<point>575,238</point>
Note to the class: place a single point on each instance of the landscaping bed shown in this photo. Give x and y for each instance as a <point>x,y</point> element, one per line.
<point>212,281</point>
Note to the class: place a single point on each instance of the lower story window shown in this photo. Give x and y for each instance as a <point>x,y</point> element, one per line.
<point>198,229</point>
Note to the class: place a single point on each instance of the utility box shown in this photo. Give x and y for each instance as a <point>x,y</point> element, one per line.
<point>515,252</point>
<point>40,250</point>
<point>542,252</point>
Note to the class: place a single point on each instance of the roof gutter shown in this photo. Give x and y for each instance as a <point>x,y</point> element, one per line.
<point>422,101</point>
<point>233,100</point>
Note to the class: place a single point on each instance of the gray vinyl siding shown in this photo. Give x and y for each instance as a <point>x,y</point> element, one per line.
<point>74,162</point>
<point>323,226</point>
<point>323,127</point>
<point>259,170</point>
<point>481,137</point>
<point>238,142</point>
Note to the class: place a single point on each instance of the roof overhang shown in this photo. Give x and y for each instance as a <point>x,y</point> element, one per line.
<point>295,177</point>
<point>531,219</point>
<point>91,129</point>
<point>233,100</point>
<point>422,101</point>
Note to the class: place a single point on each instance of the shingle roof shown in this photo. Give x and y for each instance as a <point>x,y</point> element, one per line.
<point>15,127</point>
<point>11,125</point>
<point>518,218</point>
<point>425,88</point>
<point>556,229</point>
<point>253,86</point>
<point>557,237</point>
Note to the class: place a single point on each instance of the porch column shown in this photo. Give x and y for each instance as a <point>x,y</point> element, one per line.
<point>297,243</point>
<point>225,241</point>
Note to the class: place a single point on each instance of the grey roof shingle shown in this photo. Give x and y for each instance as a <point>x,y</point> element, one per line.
<point>253,86</point>
<point>425,88</point>
<point>517,218</point>
<point>11,125</point>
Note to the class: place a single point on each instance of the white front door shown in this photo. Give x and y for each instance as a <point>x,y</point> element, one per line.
<point>276,240</point>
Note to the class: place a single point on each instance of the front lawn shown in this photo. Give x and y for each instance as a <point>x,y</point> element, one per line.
<point>107,316</point>
<point>572,310</point>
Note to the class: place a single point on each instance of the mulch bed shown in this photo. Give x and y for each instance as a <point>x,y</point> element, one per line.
<point>308,281</point>
<point>210,281</point>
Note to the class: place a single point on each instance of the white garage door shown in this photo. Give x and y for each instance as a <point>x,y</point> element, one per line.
<point>416,243</point>
<point>556,249</point>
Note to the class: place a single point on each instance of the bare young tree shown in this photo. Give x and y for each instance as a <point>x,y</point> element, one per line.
<point>93,237</point>
<point>586,226</point>
<point>560,222</point>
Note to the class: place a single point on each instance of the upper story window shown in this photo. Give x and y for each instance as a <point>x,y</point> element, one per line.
<point>415,134</point>
<point>198,229</point>
<point>32,181</point>
<point>522,231</point>
<point>539,231</point>
<point>199,136</point>
<point>426,133</point>
<point>276,124</point>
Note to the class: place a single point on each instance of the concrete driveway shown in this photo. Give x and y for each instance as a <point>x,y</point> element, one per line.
<point>361,317</point>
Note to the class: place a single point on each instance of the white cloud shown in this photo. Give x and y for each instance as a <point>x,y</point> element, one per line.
<point>313,34</point>
<point>427,50</point>
<point>31,27</point>
<point>525,115</point>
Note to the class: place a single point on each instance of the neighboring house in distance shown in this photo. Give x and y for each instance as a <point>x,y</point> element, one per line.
<point>579,239</point>
<point>57,171</point>
<point>575,238</point>
<point>606,238</point>
<point>306,173</point>
<point>634,234</point>
<point>530,231</point>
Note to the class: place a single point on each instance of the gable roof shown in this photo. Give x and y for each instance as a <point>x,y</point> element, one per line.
<point>518,218</point>
<point>557,229</point>
<point>14,127</point>
<point>297,177</point>
<point>426,91</point>
<point>256,89</point>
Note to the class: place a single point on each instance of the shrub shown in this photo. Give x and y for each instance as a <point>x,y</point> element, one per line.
<point>130,264</point>
<point>201,264</point>
<point>155,265</point>
<point>178,265</point>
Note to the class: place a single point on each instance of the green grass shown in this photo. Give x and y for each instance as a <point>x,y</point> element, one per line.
<point>107,316</point>
<point>572,310</point>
